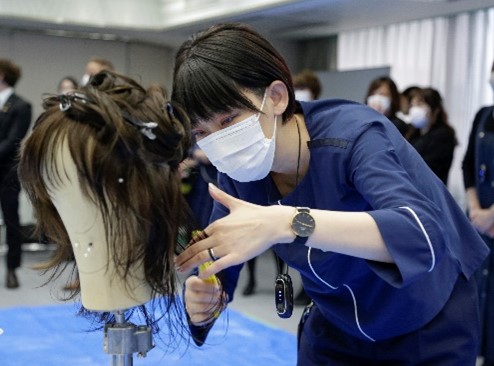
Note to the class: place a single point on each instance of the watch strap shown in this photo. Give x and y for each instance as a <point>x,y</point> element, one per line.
<point>300,240</point>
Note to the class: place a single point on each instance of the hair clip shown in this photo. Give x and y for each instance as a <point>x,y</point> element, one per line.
<point>66,100</point>
<point>169,109</point>
<point>146,127</point>
<point>65,103</point>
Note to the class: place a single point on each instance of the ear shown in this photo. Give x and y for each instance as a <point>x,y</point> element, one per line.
<point>278,93</point>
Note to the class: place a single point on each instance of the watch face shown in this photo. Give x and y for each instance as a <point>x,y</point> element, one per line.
<point>303,224</point>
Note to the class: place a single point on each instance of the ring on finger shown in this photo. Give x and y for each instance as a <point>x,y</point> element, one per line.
<point>211,254</point>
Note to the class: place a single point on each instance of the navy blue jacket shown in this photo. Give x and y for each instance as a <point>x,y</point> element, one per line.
<point>360,162</point>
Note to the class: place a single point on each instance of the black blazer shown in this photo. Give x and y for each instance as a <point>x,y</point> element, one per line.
<point>15,119</point>
<point>436,147</point>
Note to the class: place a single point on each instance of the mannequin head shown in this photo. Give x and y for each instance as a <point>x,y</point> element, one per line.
<point>101,170</point>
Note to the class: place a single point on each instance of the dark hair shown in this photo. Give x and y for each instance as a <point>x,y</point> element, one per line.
<point>411,92</point>
<point>395,95</point>
<point>102,125</point>
<point>215,66</point>
<point>308,79</point>
<point>11,72</point>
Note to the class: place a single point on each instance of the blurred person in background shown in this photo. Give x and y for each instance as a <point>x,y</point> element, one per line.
<point>406,97</point>
<point>95,65</point>
<point>383,96</point>
<point>307,86</point>
<point>15,119</point>
<point>430,132</point>
<point>67,84</point>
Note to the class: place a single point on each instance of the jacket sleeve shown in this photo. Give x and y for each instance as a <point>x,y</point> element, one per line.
<point>398,186</point>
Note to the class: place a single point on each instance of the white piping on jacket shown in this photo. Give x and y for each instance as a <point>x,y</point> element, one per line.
<point>335,288</point>
<point>433,264</point>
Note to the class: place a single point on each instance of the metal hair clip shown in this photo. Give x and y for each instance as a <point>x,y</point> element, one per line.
<point>65,103</point>
<point>66,100</point>
<point>169,109</point>
<point>146,127</point>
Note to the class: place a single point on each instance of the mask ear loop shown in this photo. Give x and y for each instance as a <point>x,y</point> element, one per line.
<point>260,111</point>
<point>262,104</point>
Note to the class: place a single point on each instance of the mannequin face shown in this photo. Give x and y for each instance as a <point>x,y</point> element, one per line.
<point>101,287</point>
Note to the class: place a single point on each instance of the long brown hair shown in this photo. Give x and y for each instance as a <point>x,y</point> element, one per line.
<point>127,167</point>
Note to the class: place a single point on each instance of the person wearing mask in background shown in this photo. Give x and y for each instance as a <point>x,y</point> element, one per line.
<point>385,252</point>
<point>430,133</point>
<point>15,119</point>
<point>67,84</point>
<point>382,95</point>
<point>95,65</point>
<point>307,86</point>
<point>478,177</point>
<point>406,97</point>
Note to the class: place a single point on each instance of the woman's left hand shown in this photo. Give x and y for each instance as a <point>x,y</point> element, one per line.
<point>247,231</point>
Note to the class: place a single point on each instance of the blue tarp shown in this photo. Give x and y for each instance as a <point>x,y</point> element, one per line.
<point>55,336</point>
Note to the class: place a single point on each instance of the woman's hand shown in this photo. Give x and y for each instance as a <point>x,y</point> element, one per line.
<point>203,299</point>
<point>482,219</point>
<point>246,232</point>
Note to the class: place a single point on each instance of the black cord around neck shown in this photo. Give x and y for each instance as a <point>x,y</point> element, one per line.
<point>284,266</point>
<point>299,152</point>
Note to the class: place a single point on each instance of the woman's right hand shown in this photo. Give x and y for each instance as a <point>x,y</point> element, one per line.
<point>482,219</point>
<point>203,300</point>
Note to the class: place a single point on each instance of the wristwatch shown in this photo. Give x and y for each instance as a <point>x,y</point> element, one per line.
<point>303,225</point>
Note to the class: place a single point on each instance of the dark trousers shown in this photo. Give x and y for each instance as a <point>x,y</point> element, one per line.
<point>10,189</point>
<point>450,339</point>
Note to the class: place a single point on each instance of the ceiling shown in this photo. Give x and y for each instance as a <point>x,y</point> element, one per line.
<point>170,22</point>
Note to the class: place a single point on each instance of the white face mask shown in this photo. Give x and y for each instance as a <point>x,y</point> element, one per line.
<point>418,116</point>
<point>491,81</point>
<point>85,79</point>
<point>379,102</point>
<point>241,151</point>
<point>303,95</point>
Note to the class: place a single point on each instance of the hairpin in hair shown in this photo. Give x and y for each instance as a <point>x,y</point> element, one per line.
<point>169,109</point>
<point>146,128</point>
<point>66,100</point>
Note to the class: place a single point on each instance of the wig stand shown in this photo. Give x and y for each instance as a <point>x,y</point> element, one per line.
<point>123,339</point>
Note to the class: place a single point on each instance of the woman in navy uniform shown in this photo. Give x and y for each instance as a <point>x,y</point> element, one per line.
<point>383,249</point>
<point>478,177</point>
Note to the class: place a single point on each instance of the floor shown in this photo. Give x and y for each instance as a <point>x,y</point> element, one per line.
<point>259,306</point>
